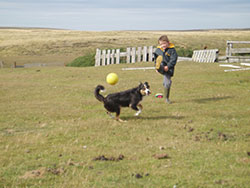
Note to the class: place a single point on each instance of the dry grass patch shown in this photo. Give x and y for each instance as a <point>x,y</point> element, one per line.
<point>53,46</point>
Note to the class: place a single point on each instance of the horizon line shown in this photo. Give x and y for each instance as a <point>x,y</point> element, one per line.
<point>13,27</point>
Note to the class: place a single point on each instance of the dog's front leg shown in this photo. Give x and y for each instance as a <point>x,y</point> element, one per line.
<point>138,108</point>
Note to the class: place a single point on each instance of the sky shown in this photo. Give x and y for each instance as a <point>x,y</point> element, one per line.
<point>110,15</point>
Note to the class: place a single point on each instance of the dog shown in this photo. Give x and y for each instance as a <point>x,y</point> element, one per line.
<point>129,98</point>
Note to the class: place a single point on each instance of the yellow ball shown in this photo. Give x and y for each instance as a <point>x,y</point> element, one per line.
<point>112,78</point>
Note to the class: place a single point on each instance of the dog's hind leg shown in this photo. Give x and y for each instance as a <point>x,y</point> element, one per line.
<point>119,119</point>
<point>118,116</point>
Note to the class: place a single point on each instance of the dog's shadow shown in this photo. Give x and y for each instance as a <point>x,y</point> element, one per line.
<point>126,118</point>
<point>211,99</point>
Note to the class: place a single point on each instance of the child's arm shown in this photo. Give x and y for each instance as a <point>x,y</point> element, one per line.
<point>173,59</point>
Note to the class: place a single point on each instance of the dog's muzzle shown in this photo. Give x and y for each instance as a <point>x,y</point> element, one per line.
<point>147,91</point>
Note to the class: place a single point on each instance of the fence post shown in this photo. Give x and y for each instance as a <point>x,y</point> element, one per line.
<point>108,57</point>
<point>228,51</point>
<point>133,54</point>
<point>112,56</point>
<point>145,52</point>
<point>128,55</point>
<point>97,57</point>
<point>139,54</point>
<point>117,56</point>
<point>103,57</point>
<point>150,53</point>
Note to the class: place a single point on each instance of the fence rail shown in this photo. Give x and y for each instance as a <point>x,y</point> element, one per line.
<point>231,51</point>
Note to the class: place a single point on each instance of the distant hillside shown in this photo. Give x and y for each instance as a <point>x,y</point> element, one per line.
<point>49,45</point>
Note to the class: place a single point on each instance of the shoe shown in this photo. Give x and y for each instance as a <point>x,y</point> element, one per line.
<point>166,94</point>
<point>168,101</point>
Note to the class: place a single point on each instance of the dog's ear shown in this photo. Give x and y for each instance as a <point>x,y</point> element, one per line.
<point>140,86</point>
<point>147,85</point>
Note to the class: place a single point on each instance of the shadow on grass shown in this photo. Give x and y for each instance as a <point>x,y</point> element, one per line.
<point>151,117</point>
<point>211,99</point>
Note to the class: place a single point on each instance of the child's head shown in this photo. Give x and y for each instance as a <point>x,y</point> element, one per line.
<point>163,42</point>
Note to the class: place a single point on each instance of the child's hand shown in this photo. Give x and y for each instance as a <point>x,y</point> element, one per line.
<point>166,68</point>
<point>163,47</point>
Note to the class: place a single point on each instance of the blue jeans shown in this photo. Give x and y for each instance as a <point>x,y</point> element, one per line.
<point>167,82</point>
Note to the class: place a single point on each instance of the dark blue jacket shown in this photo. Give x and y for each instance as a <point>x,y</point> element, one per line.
<point>167,57</point>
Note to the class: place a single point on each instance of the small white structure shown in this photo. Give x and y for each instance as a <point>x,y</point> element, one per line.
<point>205,56</point>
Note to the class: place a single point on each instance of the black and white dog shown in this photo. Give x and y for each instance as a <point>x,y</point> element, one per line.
<point>129,98</point>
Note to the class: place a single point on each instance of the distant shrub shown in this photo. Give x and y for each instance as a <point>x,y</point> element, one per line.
<point>183,52</point>
<point>83,61</point>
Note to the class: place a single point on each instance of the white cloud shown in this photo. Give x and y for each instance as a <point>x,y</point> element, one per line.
<point>125,15</point>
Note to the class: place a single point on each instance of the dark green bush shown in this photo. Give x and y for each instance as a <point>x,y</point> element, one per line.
<point>183,52</point>
<point>83,61</point>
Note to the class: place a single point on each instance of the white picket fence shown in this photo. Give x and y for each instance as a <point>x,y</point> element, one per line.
<point>205,56</point>
<point>139,54</point>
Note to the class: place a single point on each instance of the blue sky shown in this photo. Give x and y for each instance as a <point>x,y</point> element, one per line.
<point>106,15</point>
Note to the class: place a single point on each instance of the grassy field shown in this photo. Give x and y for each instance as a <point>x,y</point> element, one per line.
<point>54,133</point>
<point>25,46</point>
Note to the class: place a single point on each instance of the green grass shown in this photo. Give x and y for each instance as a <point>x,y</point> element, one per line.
<point>51,122</point>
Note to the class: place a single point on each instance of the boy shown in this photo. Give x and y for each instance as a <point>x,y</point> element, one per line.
<point>165,60</point>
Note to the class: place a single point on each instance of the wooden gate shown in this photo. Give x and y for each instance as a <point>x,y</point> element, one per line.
<point>237,54</point>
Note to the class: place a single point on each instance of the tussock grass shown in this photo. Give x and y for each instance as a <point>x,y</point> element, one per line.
<point>52,127</point>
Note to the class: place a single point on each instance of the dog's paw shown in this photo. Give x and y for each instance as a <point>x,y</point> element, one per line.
<point>122,121</point>
<point>110,115</point>
<point>137,113</point>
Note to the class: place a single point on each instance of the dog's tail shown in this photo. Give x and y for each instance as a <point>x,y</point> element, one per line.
<point>98,96</point>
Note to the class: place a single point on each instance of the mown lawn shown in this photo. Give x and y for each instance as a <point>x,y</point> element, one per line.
<point>54,133</point>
